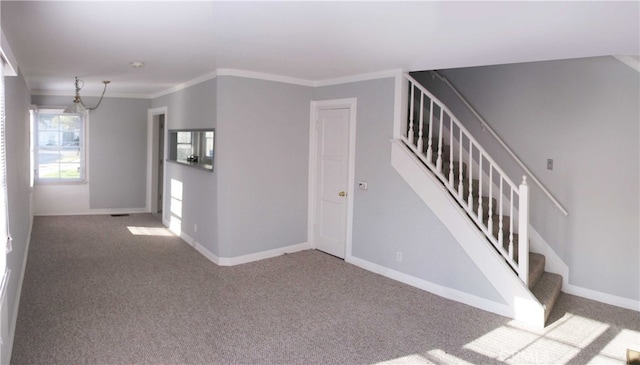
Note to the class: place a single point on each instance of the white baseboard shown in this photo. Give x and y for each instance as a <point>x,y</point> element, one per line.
<point>206,253</point>
<point>554,264</point>
<point>16,306</point>
<point>231,261</point>
<point>442,291</point>
<point>99,212</point>
<point>237,260</point>
<point>602,297</point>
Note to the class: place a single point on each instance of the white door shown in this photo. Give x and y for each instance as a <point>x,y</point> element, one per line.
<point>332,169</point>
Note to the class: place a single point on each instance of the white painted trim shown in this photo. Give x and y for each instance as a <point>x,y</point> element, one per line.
<point>237,73</point>
<point>631,61</point>
<point>316,106</point>
<point>150,147</point>
<point>16,306</point>
<point>264,76</point>
<point>358,78</point>
<point>238,260</point>
<point>553,262</point>
<point>602,297</point>
<point>523,303</point>
<point>400,113</point>
<point>185,85</point>
<point>98,212</point>
<point>7,55</point>
<point>439,290</point>
<point>93,94</point>
<point>231,261</point>
<point>206,253</point>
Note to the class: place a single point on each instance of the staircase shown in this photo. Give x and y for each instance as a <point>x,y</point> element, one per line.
<point>482,207</point>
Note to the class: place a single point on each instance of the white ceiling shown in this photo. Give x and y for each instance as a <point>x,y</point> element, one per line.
<point>315,41</point>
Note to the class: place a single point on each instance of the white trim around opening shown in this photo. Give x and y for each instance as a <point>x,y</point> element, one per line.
<point>316,106</point>
<point>152,131</point>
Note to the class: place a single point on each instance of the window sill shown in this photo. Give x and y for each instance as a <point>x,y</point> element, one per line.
<point>45,182</point>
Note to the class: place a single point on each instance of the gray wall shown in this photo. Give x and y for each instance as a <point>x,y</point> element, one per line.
<point>256,198</point>
<point>584,114</point>
<point>390,217</point>
<point>263,149</point>
<point>194,107</point>
<point>117,150</point>
<point>17,102</point>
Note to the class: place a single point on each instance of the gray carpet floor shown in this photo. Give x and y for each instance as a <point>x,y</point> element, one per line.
<point>95,293</point>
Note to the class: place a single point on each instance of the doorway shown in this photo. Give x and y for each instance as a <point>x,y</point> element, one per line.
<point>156,139</point>
<point>331,175</point>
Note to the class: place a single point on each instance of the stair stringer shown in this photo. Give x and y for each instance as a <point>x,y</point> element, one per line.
<point>523,305</point>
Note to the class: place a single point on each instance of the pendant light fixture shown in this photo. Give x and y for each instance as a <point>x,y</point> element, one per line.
<point>78,106</point>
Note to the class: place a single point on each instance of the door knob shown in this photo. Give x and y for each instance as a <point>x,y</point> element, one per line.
<point>342,193</point>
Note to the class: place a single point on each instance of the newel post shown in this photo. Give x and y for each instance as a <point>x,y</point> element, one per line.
<point>523,231</point>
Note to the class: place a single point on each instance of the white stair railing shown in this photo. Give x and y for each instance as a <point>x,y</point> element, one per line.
<point>487,127</point>
<point>473,178</point>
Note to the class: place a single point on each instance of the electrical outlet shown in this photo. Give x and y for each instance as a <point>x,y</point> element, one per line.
<point>399,256</point>
<point>195,228</point>
<point>549,164</point>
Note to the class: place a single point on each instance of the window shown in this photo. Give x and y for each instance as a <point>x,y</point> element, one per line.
<point>184,145</point>
<point>59,146</point>
<point>193,147</point>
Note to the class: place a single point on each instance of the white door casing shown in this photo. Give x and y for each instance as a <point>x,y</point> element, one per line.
<point>153,142</point>
<point>331,175</point>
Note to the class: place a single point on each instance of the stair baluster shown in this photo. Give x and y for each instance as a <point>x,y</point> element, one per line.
<point>484,168</point>
<point>451,153</point>
<point>410,133</point>
<point>511,224</point>
<point>470,198</point>
<point>480,188</point>
<point>500,224</point>
<point>440,133</point>
<point>421,127</point>
<point>430,139</point>
<point>460,176</point>
<point>515,252</point>
<point>523,231</point>
<point>490,210</point>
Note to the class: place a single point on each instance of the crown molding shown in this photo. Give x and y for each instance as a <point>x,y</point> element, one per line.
<point>7,57</point>
<point>264,76</point>
<point>185,85</point>
<point>360,77</point>
<point>236,73</point>
<point>631,61</point>
<point>88,94</point>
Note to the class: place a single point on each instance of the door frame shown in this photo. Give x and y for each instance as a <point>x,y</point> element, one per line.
<point>316,106</point>
<point>152,163</point>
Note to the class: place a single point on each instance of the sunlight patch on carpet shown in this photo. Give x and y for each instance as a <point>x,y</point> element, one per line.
<point>616,349</point>
<point>556,344</point>
<point>149,231</point>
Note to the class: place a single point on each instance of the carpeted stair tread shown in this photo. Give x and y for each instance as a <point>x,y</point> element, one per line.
<point>547,291</point>
<point>536,268</point>
<point>545,286</point>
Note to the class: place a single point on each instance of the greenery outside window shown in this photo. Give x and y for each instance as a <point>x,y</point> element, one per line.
<point>59,146</point>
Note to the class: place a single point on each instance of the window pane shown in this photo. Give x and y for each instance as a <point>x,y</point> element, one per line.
<point>209,144</point>
<point>70,170</point>
<point>58,146</point>
<point>183,151</point>
<point>184,137</point>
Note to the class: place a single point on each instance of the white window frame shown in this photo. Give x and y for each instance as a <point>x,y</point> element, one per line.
<point>83,150</point>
